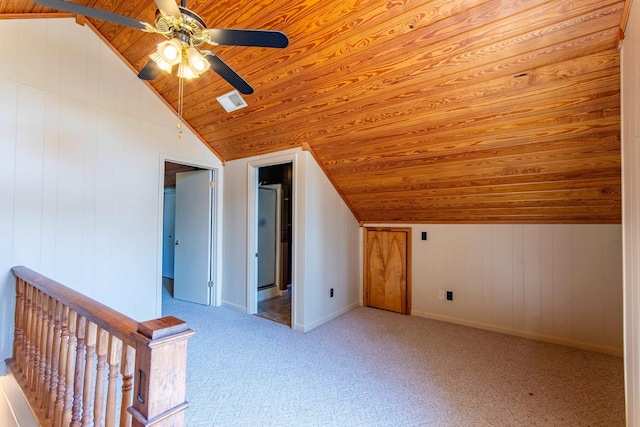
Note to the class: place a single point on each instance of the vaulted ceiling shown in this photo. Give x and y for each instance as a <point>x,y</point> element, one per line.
<point>447,111</point>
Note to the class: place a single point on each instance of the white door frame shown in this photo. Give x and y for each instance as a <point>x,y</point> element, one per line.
<point>216,230</point>
<point>252,229</point>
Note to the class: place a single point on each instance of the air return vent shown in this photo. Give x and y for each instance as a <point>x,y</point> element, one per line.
<point>232,101</point>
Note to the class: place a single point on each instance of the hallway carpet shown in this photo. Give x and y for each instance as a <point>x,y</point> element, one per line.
<point>375,368</point>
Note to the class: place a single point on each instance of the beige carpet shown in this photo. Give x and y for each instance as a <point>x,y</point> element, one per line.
<point>374,368</point>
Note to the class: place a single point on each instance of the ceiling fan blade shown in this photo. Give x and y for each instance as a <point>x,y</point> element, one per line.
<point>260,38</point>
<point>95,13</point>
<point>169,7</point>
<point>150,71</point>
<point>227,73</point>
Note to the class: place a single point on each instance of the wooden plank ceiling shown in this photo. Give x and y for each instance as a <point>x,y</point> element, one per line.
<point>446,111</point>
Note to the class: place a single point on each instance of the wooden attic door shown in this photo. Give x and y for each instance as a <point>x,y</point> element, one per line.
<point>387,269</point>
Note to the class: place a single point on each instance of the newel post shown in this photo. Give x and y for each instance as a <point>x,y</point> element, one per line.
<point>160,373</point>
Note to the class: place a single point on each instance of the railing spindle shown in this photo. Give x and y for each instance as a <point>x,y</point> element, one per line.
<point>70,369</point>
<point>31,335</point>
<point>26,331</point>
<point>78,380</point>
<point>126,369</point>
<point>101,353</point>
<point>47,327</point>
<point>40,347</point>
<point>43,327</point>
<point>113,359</point>
<point>37,347</point>
<point>87,401</point>
<point>62,367</point>
<point>55,358</point>
<point>18,342</point>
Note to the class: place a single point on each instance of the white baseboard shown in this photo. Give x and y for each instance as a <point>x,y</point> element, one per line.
<point>268,293</point>
<point>14,408</point>
<point>236,307</point>
<point>522,334</point>
<point>325,319</point>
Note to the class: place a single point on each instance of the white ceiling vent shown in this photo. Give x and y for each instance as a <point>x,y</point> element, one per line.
<point>232,101</point>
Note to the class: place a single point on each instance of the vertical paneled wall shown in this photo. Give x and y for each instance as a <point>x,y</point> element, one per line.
<point>631,209</point>
<point>234,235</point>
<point>80,168</point>
<point>332,251</point>
<point>559,283</point>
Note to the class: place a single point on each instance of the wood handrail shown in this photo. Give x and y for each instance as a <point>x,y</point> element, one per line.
<point>62,338</point>
<point>112,321</point>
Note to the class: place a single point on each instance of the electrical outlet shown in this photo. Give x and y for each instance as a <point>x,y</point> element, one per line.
<point>331,293</point>
<point>449,295</point>
<point>441,294</point>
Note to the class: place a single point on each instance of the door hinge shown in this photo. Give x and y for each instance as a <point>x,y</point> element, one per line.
<point>210,283</point>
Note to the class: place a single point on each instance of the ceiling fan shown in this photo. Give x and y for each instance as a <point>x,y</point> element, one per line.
<point>185,32</point>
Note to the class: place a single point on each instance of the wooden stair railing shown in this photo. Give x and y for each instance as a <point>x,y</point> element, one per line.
<point>82,363</point>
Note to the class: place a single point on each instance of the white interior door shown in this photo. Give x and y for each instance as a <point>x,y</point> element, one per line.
<point>168,231</point>
<point>267,228</point>
<point>192,264</point>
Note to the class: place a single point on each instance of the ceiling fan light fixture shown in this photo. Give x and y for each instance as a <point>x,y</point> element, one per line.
<point>183,30</point>
<point>170,51</point>
<point>185,71</point>
<point>159,60</point>
<point>197,62</point>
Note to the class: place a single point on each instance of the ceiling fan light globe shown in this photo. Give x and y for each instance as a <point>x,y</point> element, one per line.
<point>170,51</point>
<point>186,72</point>
<point>160,62</point>
<point>198,65</point>
<point>196,61</point>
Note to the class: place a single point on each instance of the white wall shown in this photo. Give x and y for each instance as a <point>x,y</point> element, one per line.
<point>630,69</point>
<point>81,168</point>
<point>557,283</point>
<point>326,246</point>
<point>14,407</point>
<point>332,250</point>
<point>234,237</point>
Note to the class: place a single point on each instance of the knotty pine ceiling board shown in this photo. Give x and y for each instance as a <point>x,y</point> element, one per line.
<point>443,111</point>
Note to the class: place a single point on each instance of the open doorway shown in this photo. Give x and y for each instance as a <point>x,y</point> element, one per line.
<point>188,233</point>
<point>274,231</point>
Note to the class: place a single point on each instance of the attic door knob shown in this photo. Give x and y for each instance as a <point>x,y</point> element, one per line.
<point>177,243</point>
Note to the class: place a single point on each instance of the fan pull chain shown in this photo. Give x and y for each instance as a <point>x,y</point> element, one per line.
<point>180,100</point>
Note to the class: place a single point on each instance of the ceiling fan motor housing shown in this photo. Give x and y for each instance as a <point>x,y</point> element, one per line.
<point>190,29</point>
